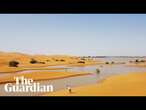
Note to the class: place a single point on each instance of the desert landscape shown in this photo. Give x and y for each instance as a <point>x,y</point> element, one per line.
<point>87,76</point>
<point>72,55</point>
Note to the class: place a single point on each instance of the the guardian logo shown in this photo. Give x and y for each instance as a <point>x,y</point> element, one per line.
<point>27,85</point>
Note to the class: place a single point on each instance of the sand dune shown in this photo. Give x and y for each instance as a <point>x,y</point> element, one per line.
<point>44,61</point>
<point>132,84</point>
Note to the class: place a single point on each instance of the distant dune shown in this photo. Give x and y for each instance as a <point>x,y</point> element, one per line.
<point>42,60</point>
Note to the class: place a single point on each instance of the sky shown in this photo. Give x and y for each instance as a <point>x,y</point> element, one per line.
<point>74,34</point>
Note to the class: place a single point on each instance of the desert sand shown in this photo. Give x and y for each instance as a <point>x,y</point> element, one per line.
<point>132,84</point>
<point>50,60</point>
<point>41,76</point>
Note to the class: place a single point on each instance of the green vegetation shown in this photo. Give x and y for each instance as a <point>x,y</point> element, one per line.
<point>81,62</point>
<point>62,60</point>
<point>136,61</point>
<point>41,62</point>
<point>33,61</point>
<point>106,62</point>
<point>13,63</point>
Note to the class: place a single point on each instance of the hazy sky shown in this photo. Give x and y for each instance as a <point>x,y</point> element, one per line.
<point>74,34</point>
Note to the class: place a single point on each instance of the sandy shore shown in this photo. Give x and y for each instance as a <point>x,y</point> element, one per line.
<point>132,84</point>
<point>42,76</point>
<point>24,61</point>
<point>137,65</point>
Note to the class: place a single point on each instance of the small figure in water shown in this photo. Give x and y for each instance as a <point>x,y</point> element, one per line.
<point>97,71</point>
<point>69,89</point>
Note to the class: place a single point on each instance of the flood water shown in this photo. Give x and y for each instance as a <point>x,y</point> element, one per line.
<point>105,71</point>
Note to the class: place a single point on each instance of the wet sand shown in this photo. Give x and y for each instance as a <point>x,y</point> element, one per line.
<point>79,76</point>
<point>132,84</point>
<point>60,74</point>
<point>59,83</point>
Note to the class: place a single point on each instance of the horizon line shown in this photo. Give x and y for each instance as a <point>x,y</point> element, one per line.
<point>26,53</point>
